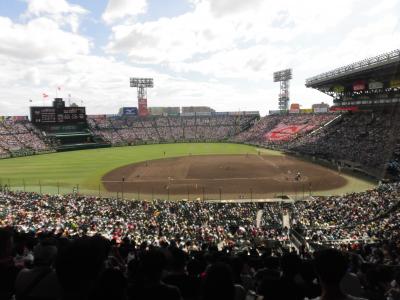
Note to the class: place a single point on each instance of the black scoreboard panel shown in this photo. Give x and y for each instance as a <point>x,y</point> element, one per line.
<point>54,115</point>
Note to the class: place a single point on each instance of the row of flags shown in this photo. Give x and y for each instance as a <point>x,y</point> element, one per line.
<point>46,95</point>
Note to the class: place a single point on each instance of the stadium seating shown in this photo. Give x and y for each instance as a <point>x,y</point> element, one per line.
<point>365,139</point>
<point>172,128</point>
<point>278,129</point>
<point>198,236</point>
<point>19,136</point>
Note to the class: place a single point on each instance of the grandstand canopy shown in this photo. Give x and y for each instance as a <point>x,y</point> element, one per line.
<point>374,80</point>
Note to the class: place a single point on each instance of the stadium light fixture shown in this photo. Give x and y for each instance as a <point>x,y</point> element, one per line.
<point>283,78</point>
<point>142,82</point>
<point>283,75</point>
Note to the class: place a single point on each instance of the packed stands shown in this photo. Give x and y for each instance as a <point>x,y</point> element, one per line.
<point>201,236</point>
<point>364,139</point>
<point>351,217</point>
<point>279,129</point>
<point>113,218</point>
<point>293,126</point>
<point>133,130</point>
<point>257,132</point>
<point>21,137</point>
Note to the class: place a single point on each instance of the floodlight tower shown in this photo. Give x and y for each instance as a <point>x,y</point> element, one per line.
<point>283,78</point>
<point>142,84</point>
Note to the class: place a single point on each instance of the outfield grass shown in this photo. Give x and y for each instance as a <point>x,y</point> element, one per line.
<point>50,173</point>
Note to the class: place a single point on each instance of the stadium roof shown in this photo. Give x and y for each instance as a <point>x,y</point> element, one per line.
<point>386,64</point>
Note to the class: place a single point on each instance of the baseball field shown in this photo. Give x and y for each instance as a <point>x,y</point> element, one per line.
<point>176,171</point>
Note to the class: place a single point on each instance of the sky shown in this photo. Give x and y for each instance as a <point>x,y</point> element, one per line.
<point>218,53</point>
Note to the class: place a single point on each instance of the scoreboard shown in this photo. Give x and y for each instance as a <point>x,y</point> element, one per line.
<point>48,115</point>
<point>57,114</point>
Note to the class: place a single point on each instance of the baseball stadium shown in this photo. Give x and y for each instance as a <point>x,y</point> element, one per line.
<point>211,188</point>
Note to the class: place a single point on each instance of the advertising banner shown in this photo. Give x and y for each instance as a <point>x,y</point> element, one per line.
<point>274,112</point>
<point>375,85</point>
<point>319,110</point>
<point>252,113</point>
<point>97,117</point>
<point>344,108</point>
<point>359,85</point>
<point>20,118</point>
<point>338,88</point>
<point>156,111</point>
<point>174,110</point>
<point>129,111</point>
<point>395,83</point>
<point>203,114</point>
<point>294,106</point>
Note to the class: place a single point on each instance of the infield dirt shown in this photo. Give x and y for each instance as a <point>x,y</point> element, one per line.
<point>222,177</point>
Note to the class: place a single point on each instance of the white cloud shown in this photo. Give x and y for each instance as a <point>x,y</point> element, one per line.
<point>226,7</point>
<point>38,7</point>
<point>59,10</point>
<point>32,76</point>
<point>255,62</point>
<point>119,9</point>
<point>246,41</point>
<point>254,23</point>
<point>221,54</point>
<point>40,38</point>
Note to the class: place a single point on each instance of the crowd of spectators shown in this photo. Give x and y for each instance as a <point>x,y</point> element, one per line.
<point>366,139</point>
<point>105,248</point>
<point>281,129</point>
<point>221,223</point>
<point>256,133</point>
<point>132,130</point>
<point>351,217</point>
<point>294,126</point>
<point>20,136</point>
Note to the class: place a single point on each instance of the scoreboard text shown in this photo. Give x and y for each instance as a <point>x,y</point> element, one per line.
<point>53,115</point>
